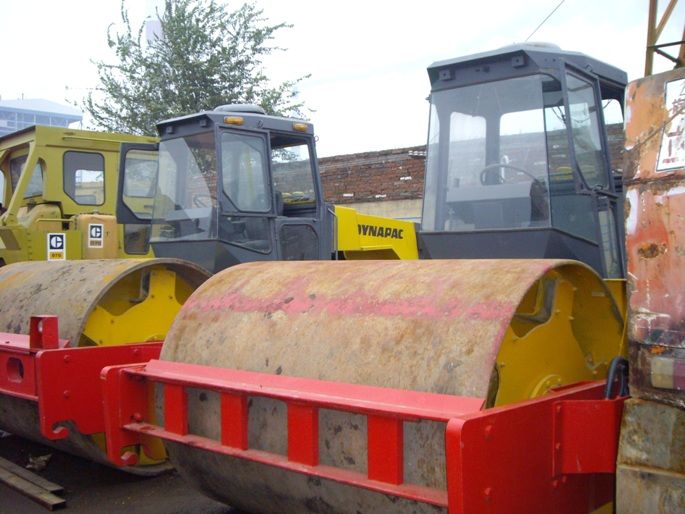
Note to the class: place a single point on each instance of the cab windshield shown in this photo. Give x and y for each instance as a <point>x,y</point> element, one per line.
<point>202,196</point>
<point>185,201</point>
<point>499,158</point>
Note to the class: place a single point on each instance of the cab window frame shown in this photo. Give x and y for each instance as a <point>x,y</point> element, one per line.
<point>264,160</point>
<point>15,178</point>
<point>305,141</point>
<point>70,184</point>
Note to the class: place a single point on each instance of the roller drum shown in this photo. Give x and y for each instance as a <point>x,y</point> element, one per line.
<point>98,302</point>
<point>500,330</point>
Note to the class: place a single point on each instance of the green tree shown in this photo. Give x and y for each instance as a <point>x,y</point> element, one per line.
<point>206,55</point>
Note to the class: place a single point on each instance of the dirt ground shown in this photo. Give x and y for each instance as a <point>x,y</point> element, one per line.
<point>91,488</point>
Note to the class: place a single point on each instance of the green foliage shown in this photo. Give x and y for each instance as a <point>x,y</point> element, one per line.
<point>208,56</point>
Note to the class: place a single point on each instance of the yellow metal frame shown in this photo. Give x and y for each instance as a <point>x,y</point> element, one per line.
<point>360,236</point>
<point>128,315</point>
<point>546,346</point>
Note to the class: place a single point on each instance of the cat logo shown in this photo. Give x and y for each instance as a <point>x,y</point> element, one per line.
<point>57,246</point>
<point>96,235</point>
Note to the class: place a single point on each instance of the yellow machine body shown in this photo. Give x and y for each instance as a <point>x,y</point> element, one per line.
<point>59,194</point>
<point>361,236</point>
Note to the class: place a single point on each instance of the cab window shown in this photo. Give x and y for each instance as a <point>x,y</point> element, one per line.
<point>140,181</point>
<point>35,185</point>
<point>84,177</point>
<point>292,173</point>
<point>244,171</point>
<point>585,128</point>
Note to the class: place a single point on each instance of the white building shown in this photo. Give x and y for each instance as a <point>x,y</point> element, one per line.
<point>19,114</point>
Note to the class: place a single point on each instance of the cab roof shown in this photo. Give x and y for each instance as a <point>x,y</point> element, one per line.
<point>517,60</point>
<point>252,120</point>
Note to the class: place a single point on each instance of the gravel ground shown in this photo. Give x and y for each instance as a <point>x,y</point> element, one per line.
<point>91,488</point>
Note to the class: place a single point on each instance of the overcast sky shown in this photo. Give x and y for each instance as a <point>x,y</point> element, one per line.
<point>367,59</point>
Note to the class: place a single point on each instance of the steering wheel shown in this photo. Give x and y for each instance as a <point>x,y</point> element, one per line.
<point>201,200</point>
<point>490,167</point>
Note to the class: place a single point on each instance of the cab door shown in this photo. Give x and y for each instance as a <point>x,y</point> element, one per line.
<point>589,152</point>
<point>138,168</point>
<point>302,230</point>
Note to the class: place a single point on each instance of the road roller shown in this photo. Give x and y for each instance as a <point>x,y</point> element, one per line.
<point>208,214</point>
<point>337,382</point>
<point>102,305</point>
<point>486,333</point>
<point>521,199</point>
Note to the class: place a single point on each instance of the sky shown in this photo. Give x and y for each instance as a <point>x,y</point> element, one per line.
<point>367,59</point>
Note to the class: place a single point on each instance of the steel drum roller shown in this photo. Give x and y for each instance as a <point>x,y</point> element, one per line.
<point>500,330</point>
<point>98,302</point>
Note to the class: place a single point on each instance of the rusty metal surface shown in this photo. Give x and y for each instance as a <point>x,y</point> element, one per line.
<point>651,460</point>
<point>70,289</point>
<point>651,464</point>
<point>428,326</point>
<point>655,225</point>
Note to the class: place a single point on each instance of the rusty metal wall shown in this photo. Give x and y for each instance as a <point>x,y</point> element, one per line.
<point>654,176</point>
<point>651,472</point>
<point>651,462</point>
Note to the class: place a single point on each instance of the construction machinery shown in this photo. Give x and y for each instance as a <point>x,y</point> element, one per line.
<point>59,195</point>
<point>518,159</point>
<point>462,334</point>
<point>315,386</point>
<point>236,185</point>
<point>274,211</point>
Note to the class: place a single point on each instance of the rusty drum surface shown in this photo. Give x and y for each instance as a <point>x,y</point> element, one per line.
<point>75,291</point>
<point>98,302</point>
<point>437,326</point>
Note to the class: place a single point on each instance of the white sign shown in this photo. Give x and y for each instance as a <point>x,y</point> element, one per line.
<point>57,246</point>
<point>672,151</point>
<point>96,235</point>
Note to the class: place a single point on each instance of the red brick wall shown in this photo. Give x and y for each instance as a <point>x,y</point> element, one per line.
<point>374,176</point>
<point>398,174</point>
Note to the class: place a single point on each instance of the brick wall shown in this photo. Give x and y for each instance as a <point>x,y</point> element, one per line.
<point>374,176</point>
<point>398,174</point>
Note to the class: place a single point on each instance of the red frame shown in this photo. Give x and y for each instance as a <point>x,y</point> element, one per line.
<point>556,453</point>
<point>63,381</point>
<point>551,454</point>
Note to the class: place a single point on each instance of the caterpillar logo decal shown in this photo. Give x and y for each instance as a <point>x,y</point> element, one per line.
<point>96,235</point>
<point>378,231</point>
<point>57,246</point>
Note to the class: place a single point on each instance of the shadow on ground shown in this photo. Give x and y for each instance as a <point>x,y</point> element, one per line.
<point>91,487</point>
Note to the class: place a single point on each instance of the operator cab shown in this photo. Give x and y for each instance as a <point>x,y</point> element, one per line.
<point>517,160</point>
<point>234,185</point>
